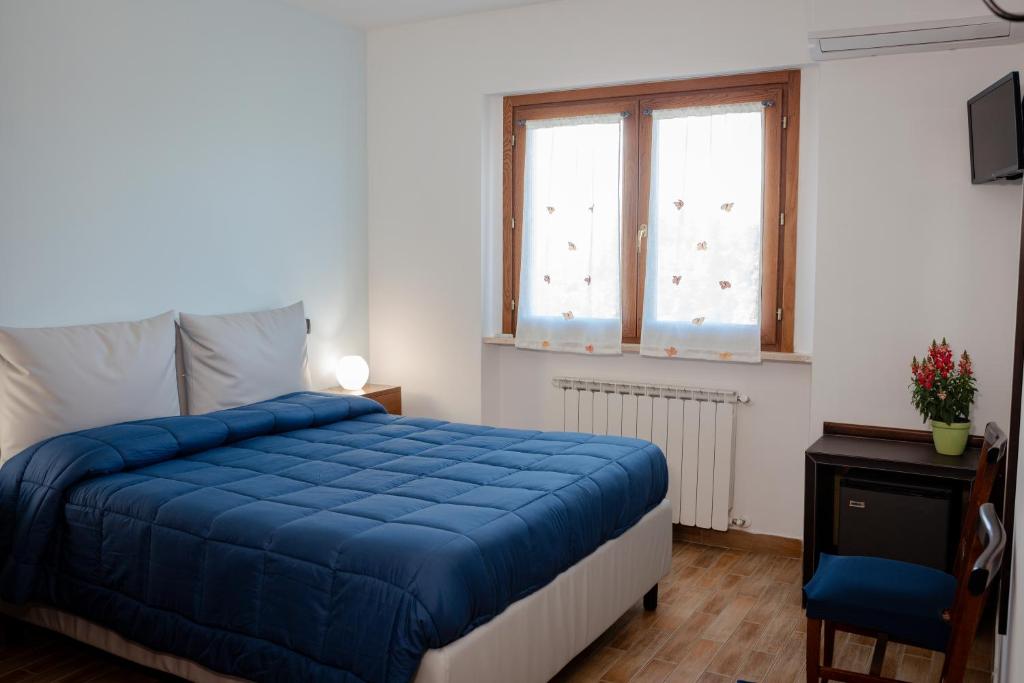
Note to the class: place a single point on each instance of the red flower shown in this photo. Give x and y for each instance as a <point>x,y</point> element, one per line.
<point>964,367</point>
<point>942,357</point>
<point>925,374</point>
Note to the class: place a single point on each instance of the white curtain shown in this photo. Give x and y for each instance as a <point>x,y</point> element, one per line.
<point>569,294</point>
<point>702,297</point>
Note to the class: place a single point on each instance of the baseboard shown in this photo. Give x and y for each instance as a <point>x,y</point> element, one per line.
<point>737,539</point>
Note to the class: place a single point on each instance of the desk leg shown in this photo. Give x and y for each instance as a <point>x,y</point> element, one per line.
<point>810,515</point>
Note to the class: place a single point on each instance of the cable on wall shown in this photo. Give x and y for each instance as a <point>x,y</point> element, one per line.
<point>1001,13</point>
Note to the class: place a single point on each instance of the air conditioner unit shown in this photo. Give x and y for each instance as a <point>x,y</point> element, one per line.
<point>948,34</point>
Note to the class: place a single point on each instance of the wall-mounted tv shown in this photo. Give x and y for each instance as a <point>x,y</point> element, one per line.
<point>997,131</point>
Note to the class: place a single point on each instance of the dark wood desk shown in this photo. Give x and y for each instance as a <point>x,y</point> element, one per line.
<point>901,456</point>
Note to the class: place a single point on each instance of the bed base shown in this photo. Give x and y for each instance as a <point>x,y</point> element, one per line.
<point>529,642</point>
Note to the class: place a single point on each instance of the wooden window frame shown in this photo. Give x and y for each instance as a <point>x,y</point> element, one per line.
<point>782,122</point>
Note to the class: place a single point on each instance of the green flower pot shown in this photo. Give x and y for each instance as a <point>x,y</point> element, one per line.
<point>950,439</point>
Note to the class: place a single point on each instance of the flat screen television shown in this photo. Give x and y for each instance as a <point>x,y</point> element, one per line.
<point>994,119</point>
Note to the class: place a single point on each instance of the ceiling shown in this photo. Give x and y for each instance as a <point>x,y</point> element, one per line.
<point>368,14</point>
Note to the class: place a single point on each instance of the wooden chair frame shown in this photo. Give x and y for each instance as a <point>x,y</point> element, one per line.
<point>978,557</point>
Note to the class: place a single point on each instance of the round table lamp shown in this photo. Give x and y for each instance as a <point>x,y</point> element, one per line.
<point>352,372</point>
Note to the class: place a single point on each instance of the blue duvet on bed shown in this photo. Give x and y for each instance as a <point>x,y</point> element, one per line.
<point>311,537</point>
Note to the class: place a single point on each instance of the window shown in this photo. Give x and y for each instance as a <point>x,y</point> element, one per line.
<point>669,206</point>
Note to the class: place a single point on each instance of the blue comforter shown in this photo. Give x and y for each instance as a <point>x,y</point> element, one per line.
<point>311,537</point>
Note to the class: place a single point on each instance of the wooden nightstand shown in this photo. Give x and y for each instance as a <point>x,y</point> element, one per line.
<point>388,395</point>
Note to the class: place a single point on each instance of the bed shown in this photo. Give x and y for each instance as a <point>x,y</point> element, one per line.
<point>314,537</point>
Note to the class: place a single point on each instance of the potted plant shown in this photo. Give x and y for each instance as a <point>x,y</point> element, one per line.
<point>943,393</point>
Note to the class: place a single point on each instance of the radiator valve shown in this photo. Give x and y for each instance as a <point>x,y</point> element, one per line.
<point>739,522</point>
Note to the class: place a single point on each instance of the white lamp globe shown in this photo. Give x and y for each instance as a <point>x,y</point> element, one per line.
<point>352,372</point>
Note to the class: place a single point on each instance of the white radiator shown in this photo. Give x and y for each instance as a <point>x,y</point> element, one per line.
<point>695,428</point>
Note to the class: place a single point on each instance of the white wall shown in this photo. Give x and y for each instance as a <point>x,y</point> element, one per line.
<point>837,14</point>
<point>908,250</point>
<point>202,155</point>
<point>884,176</point>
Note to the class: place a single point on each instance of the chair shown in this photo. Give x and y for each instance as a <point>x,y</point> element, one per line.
<point>901,602</point>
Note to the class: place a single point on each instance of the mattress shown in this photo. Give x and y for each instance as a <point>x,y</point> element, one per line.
<point>312,536</point>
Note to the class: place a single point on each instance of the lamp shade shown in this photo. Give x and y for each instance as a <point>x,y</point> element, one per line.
<point>352,372</point>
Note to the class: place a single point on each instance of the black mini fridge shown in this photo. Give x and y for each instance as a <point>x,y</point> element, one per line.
<point>907,522</point>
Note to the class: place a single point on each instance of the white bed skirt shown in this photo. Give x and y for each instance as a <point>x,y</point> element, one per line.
<point>529,642</point>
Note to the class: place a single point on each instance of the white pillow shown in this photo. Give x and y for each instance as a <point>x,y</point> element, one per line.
<point>232,360</point>
<point>56,380</point>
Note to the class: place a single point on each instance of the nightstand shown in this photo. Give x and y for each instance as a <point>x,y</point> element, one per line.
<point>388,395</point>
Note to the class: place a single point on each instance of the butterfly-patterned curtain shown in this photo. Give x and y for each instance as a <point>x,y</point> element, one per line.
<point>569,280</point>
<point>702,297</point>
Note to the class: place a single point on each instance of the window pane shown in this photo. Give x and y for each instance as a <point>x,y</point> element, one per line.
<point>706,213</point>
<point>572,213</point>
<point>702,297</point>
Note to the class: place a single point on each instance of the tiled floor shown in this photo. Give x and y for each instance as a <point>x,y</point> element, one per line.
<point>723,615</point>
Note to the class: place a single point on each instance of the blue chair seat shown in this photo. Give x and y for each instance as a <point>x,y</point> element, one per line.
<point>901,599</point>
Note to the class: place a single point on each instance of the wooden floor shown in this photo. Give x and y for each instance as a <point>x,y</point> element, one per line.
<point>43,657</point>
<point>723,615</point>
<point>728,615</point>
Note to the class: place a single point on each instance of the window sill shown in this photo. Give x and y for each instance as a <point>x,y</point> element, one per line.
<point>766,356</point>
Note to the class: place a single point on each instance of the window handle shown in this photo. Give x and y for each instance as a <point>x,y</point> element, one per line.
<point>640,235</point>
